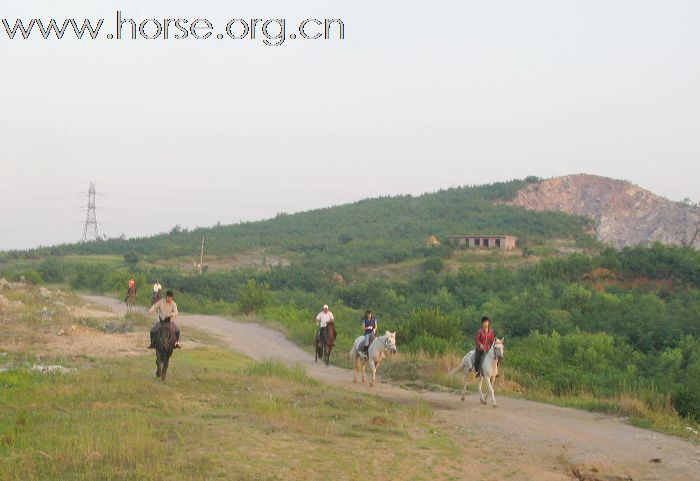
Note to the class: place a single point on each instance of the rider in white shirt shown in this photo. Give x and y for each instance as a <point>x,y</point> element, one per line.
<point>167,312</point>
<point>156,296</point>
<point>323,318</point>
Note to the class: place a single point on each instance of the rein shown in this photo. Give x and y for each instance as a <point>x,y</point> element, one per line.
<point>385,342</point>
<point>493,348</point>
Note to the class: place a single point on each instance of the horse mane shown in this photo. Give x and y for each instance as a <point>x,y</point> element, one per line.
<point>168,338</point>
<point>330,333</point>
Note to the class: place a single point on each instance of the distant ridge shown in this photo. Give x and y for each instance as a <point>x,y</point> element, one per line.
<point>624,214</point>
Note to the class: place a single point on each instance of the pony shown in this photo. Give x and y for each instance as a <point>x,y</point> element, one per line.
<point>377,351</point>
<point>489,369</point>
<point>165,345</point>
<point>326,344</point>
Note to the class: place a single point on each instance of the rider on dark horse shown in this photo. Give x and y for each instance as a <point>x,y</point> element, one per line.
<point>131,290</point>
<point>370,324</point>
<point>323,319</point>
<point>485,337</point>
<point>156,292</point>
<point>167,312</point>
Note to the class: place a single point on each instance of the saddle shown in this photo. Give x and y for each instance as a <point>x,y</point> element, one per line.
<point>365,347</point>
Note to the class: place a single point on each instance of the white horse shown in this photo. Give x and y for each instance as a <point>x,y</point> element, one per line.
<point>377,352</point>
<point>489,369</point>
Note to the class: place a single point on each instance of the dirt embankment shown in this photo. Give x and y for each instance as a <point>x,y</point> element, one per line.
<point>519,440</point>
<point>623,213</point>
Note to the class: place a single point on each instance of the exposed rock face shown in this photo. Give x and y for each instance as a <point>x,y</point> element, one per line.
<point>624,214</point>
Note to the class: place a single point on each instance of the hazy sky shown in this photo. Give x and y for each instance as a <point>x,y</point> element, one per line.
<point>419,96</point>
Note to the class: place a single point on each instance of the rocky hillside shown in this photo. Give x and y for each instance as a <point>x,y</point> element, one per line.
<point>624,214</point>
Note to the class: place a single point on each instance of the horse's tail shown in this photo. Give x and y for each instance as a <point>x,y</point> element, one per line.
<point>457,369</point>
<point>353,352</point>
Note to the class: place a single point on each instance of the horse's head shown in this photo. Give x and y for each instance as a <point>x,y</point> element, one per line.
<point>499,349</point>
<point>166,338</point>
<point>390,341</point>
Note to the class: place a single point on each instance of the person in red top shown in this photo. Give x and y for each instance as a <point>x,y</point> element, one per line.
<point>131,291</point>
<point>484,339</point>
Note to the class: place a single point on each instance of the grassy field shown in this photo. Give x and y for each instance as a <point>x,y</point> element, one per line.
<point>220,416</point>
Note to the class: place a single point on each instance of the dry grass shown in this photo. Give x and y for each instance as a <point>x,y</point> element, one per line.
<point>220,416</point>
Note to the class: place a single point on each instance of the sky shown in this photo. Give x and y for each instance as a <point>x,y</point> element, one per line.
<point>419,96</point>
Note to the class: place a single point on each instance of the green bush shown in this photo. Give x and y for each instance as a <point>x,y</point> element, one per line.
<point>431,345</point>
<point>433,264</point>
<point>686,401</point>
<point>31,277</point>
<point>131,258</point>
<point>254,297</point>
<point>52,270</point>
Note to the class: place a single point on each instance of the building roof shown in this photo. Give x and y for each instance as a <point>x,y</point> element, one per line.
<point>468,236</point>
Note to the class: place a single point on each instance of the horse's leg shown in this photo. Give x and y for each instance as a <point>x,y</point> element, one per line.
<point>158,363</point>
<point>166,361</point>
<point>373,368</point>
<point>354,371</point>
<point>481,392</point>
<point>464,386</point>
<point>376,368</point>
<point>363,366</point>
<point>489,383</point>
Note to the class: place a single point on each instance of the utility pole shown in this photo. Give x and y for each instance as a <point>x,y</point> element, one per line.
<point>201,256</point>
<point>91,217</point>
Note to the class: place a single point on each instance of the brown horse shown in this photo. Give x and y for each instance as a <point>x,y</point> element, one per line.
<point>156,297</point>
<point>130,298</point>
<point>326,344</point>
<point>165,345</point>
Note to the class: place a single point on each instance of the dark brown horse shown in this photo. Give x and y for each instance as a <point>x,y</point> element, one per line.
<point>130,297</point>
<point>156,297</point>
<point>165,345</point>
<point>326,344</point>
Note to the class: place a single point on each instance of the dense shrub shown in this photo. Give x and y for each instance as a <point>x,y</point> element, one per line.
<point>52,270</point>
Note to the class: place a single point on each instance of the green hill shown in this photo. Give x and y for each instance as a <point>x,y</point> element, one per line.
<point>614,321</point>
<point>373,231</point>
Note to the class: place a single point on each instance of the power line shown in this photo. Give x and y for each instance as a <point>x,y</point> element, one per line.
<point>190,201</point>
<point>45,198</point>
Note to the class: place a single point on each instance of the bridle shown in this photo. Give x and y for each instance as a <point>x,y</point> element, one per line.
<point>387,344</point>
<point>493,348</point>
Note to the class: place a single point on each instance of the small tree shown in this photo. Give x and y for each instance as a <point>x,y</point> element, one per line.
<point>433,264</point>
<point>254,296</point>
<point>51,270</point>
<point>131,258</point>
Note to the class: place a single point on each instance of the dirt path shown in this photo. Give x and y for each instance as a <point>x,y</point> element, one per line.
<point>523,440</point>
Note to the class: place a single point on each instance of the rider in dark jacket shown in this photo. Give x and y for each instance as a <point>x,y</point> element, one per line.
<point>370,325</point>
